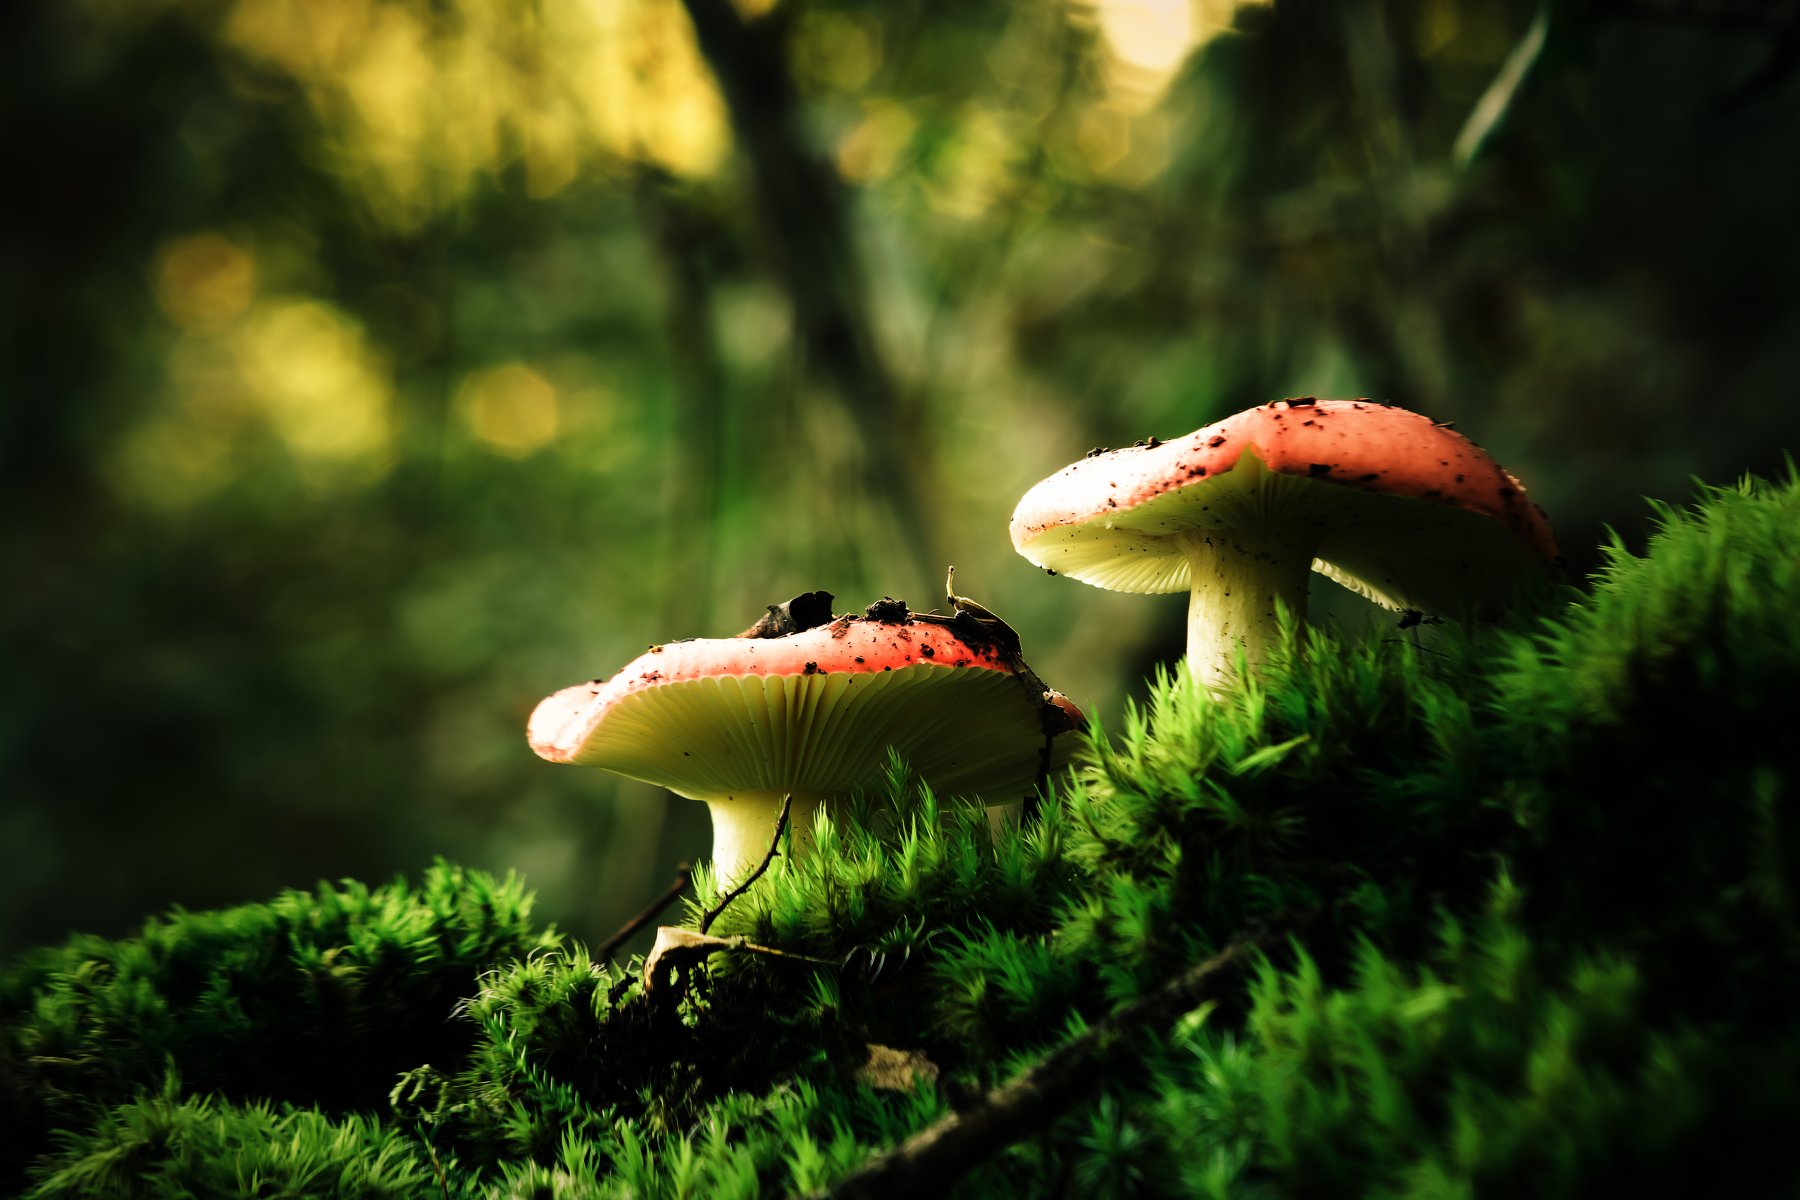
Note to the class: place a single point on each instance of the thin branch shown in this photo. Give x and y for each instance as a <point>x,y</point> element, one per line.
<point>774,844</point>
<point>678,948</point>
<point>683,874</point>
<point>1494,104</point>
<point>935,1157</point>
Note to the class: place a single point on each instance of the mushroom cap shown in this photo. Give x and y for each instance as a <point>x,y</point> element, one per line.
<point>813,712</point>
<point>1389,503</point>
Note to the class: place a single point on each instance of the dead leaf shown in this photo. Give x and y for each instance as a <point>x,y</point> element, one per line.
<point>894,1070</point>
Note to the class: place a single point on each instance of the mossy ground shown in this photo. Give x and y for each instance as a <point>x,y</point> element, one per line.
<point>1538,883</point>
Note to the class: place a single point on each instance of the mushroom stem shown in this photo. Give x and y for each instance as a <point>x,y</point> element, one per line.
<point>1237,576</point>
<point>743,823</point>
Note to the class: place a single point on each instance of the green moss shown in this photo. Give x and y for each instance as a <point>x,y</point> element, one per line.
<point>1659,809</point>
<point>162,1145</point>
<point>1540,879</point>
<point>316,998</point>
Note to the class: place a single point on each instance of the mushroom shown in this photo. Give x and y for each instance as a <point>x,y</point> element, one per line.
<point>1394,506</point>
<point>743,722</point>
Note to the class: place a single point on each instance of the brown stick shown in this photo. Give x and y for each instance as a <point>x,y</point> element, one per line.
<point>774,845</point>
<point>678,948</point>
<point>935,1157</point>
<point>683,874</point>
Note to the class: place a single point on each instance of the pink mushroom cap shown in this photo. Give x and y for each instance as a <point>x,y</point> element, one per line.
<point>1399,508</point>
<point>814,712</point>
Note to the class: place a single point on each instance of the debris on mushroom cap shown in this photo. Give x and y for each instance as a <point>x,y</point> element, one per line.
<point>808,610</point>
<point>814,711</point>
<point>1367,483</point>
<point>1060,713</point>
<point>888,609</point>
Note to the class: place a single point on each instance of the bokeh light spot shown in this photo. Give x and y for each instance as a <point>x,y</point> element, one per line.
<point>871,150</point>
<point>511,408</point>
<point>680,119</point>
<point>321,387</point>
<point>305,37</point>
<point>977,167</point>
<point>203,282</point>
<point>1147,41</point>
<point>1152,35</point>
<point>840,50</point>
<point>422,101</point>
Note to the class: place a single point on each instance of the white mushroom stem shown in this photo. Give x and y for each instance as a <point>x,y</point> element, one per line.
<point>1237,576</point>
<point>744,824</point>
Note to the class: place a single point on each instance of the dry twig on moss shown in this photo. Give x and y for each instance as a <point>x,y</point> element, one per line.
<point>938,1155</point>
<point>683,874</point>
<point>781,821</point>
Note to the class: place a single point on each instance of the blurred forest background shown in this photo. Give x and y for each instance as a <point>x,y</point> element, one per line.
<point>373,368</point>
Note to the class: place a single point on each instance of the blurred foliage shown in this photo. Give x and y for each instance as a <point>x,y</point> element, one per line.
<point>374,367</point>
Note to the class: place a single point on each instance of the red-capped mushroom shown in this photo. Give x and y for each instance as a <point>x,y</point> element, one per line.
<point>1392,505</point>
<point>741,723</point>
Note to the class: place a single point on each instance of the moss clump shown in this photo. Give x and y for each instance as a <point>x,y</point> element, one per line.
<point>1658,814</point>
<point>315,999</point>
<point>1537,891</point>
<point>163,1144</point>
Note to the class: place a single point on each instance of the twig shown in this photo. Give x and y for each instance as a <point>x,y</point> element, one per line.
<point>774,844</point>
<point>677,948</point>
<point>1505,89</point>
<point>932,1159</point>
<point>683,874</point>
